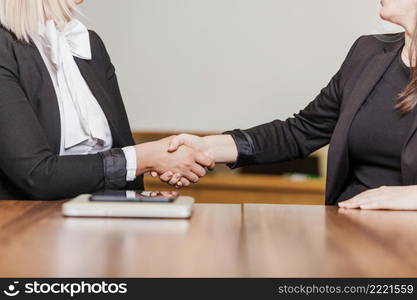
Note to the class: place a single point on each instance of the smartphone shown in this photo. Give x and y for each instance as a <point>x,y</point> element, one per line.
<point>133,196</point>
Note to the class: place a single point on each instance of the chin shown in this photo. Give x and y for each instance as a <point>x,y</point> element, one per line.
<point>386,16</point>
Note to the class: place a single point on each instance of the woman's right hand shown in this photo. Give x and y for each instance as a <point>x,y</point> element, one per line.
<point>176,142</point>
<point>188,162</point>
<point>220,148</point>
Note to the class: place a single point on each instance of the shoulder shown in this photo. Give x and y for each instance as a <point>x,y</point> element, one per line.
<point>368,45</point>
<point>94,37</point>
<point>96,41</point>
<point>381,40</point>
<point>7,39</point>
<point>98,49</point>
<point>8,53</point>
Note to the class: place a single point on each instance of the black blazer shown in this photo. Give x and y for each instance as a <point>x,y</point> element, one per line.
<point>30,167</point>
<point>327,119</point>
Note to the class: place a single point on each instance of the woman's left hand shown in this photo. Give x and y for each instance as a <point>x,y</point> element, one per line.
<point>385,197</point>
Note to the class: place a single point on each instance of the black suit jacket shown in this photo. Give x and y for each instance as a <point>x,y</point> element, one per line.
<point>327,119</point>
<point>30,166</point>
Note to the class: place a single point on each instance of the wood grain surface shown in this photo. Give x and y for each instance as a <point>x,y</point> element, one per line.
<point>238,188</point>
<point>220,240</point>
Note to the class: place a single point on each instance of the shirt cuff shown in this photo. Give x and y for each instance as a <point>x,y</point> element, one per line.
<point>114,163</point>
<point>130,155</point>
<point>245,148</point>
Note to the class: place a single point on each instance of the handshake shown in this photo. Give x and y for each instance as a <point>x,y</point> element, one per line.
<point>179,160</point>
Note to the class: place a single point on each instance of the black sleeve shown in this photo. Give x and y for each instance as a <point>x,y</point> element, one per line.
<point>296,137</point>
<point>27,159</point>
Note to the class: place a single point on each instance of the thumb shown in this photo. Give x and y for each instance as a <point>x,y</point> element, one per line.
<point>175,143</point>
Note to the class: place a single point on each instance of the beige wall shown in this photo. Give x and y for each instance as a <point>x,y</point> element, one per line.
<point>217,64</point>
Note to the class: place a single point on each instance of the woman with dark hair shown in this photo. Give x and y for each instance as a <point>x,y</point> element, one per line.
<point>366,114</point>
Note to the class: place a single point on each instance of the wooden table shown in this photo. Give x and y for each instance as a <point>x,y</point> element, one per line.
<point>245,188</point>
<point>220,240</point>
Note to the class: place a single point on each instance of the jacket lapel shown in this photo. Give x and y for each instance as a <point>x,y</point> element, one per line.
<point>101,96</point>
<point>338,167</point>
<point>51,109</point>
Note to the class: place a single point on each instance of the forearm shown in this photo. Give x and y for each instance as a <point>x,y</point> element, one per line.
<point>222,148</point>
<point>59,177</point>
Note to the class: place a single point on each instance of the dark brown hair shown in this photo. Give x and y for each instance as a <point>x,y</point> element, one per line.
<point>408,97</point>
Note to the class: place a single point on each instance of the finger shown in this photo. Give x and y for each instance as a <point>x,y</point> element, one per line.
<point>362,201</point>
<point>175,143</point>
<point>347,203</point>
<point>213,163</point>
<point>352,203</point>
<point>192,177</point>
<point>355,202</point>
<point>379,203</point>
<point>166,176</point>
<point>185,182</point>
<point>368,198</point>
<point>204,160</point>
<point>199,170</point>
<point>212,166</point>
<point>175,179</point>
<point>371,205</point>
<point>154,174</point>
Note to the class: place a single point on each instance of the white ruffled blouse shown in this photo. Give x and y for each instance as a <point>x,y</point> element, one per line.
<point>84,127</point>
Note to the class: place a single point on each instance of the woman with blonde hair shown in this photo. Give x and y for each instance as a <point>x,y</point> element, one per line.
<point>63,126</point>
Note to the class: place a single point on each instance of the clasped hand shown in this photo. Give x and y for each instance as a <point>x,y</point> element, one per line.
<point>178,160</point>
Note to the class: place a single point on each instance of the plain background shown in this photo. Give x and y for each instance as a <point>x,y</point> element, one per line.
<point>213,65</point>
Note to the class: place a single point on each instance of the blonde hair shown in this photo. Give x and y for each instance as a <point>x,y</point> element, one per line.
<point>22,17</point>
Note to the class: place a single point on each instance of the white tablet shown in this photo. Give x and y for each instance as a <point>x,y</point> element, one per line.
<point>81,206</point>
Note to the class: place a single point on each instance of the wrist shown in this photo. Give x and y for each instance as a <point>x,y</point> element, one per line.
<point>222,148</point>
<point>208,147</point>
<point>144,158</point>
